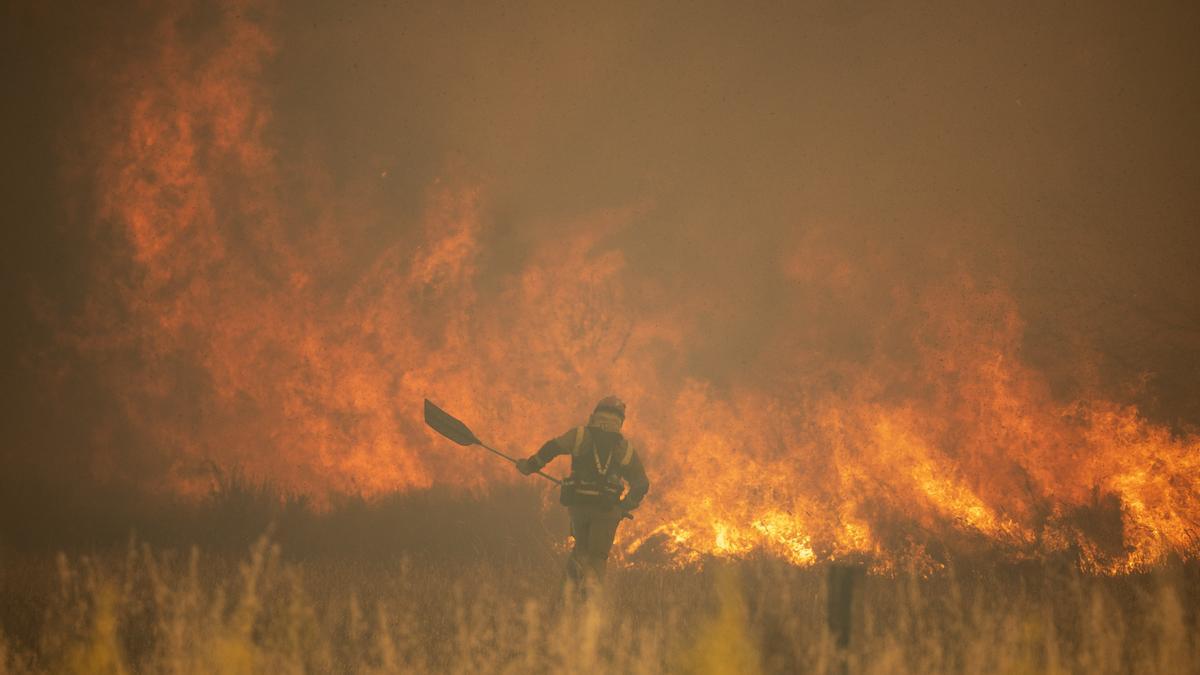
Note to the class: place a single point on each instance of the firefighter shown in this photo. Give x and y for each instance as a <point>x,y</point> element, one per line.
<point>602,460</point>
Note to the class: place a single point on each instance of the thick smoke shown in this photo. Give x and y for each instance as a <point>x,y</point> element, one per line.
<point>866,278</point>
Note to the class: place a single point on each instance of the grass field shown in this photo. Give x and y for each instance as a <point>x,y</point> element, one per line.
<point>431,583</point>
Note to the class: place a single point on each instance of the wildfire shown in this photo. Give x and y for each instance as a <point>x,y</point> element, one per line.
<point>240,325</point>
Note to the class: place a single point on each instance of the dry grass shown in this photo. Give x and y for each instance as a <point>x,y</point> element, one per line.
<point>166,612</point>
<point>445,584</point>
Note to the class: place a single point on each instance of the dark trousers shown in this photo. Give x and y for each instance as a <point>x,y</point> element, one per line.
<point>593,529</point>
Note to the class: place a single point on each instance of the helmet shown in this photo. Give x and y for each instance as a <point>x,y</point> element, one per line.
<point>609,414</point>
<point>611,404</point>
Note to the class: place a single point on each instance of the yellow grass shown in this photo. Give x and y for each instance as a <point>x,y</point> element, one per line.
<point>143,610</point>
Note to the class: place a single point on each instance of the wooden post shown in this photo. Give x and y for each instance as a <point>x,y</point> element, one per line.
<point>840,601</point>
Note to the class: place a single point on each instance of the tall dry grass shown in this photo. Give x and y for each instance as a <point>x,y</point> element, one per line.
<point>440,582</point>
<point>144,610</point>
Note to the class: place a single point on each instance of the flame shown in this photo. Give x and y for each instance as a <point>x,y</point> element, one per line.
<point>234,326</point>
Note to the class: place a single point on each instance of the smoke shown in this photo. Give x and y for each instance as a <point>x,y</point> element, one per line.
<point>861,275</point>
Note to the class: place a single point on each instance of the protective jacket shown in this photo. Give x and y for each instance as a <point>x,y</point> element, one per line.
<point>598,457</point>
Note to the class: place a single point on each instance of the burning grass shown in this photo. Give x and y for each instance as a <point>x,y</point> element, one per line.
<point>455,586</point>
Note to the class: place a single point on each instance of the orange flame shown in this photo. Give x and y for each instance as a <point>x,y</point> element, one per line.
<point>235,327</point>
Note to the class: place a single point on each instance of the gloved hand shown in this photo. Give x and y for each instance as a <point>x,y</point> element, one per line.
<point>525,467</point>
<point>624,508</point>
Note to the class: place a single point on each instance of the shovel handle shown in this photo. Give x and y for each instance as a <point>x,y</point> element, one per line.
<point>552,479</point>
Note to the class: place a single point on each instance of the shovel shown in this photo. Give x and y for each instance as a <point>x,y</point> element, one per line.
<point>447,425</point>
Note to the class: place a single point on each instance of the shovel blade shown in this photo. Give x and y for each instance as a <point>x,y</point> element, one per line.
<point>447,425</point>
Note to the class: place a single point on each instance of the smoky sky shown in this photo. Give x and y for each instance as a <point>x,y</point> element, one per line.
<point>1055,145</point>
<point>1049,148</point>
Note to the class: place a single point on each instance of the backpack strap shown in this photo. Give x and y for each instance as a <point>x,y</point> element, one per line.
<point>578,440</point>
<point>628,454</point>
